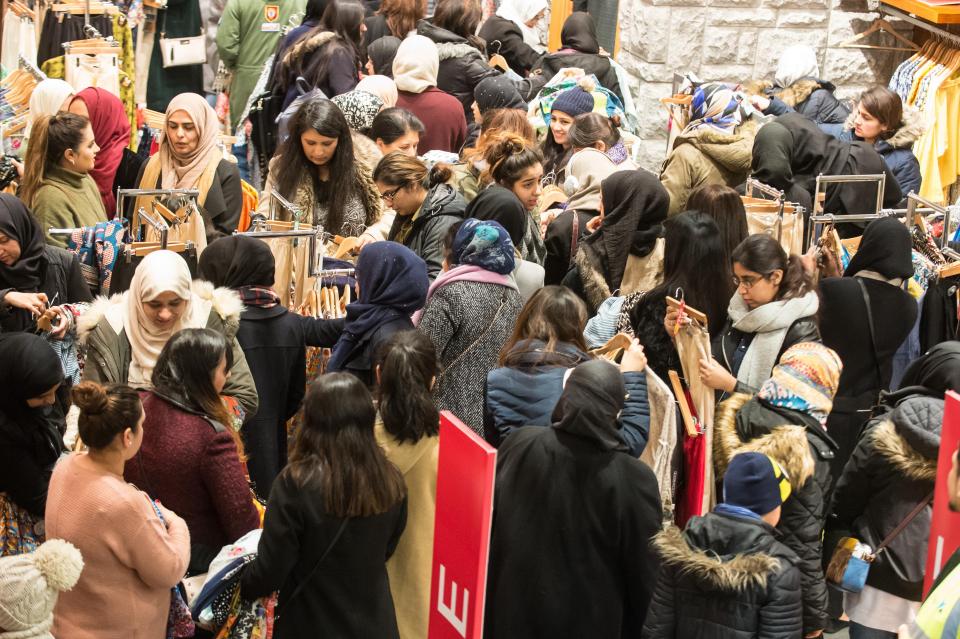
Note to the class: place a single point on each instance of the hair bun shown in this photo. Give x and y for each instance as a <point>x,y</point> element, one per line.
<point>90,397</point>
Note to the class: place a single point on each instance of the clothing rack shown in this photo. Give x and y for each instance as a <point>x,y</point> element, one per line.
<point>755,184</point>
<point>913,207</point>
<point>122,194</point>
<point>31,68</point>
<point>918,22</point>
<point>312,234</point>
<point>157,223</point>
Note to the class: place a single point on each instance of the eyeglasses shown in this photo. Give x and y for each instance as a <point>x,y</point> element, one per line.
<point>389,195</point>
<point>747,282</point>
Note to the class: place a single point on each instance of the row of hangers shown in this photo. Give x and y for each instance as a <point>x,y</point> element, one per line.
<point>92,7</point>
<point>325,302</point>
<point>691,424</point>
<point>21,10</point>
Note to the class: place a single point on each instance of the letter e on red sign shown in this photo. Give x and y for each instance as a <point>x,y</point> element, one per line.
<point>945,527</point>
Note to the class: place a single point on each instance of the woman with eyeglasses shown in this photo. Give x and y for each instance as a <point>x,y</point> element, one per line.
<point>425,204</point>
<point>775,306</point>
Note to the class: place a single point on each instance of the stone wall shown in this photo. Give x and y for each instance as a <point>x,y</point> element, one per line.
<point>740,40</point>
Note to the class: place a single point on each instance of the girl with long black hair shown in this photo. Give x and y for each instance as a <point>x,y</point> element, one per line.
<point>316,169</point>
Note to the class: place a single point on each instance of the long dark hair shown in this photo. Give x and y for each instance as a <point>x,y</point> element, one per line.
<point>105,412</point>
<point>343,18</point>
<point>724,205</point>
<point>461,17</point>
<point>407,365</point>
<point>315,9</point>
<point>555,157</point>
<point>694,260</point>
<point>326,118</point>
<point>762,253</point>
<point>185,368</point>
<point>336,444</point>
<point>553,315</point>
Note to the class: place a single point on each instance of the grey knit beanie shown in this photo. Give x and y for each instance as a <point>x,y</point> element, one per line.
<point>29,585</point>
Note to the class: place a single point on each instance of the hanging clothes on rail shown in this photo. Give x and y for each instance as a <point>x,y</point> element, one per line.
<point>61,26</point>
<point>19,39</point>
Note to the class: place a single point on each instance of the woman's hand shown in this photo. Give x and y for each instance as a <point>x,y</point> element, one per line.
<point>364,240</point>
<point>36,303</point>
<point>61,322</point>
<point>634,360</point>
<point>545,219</point>
<point>670,320</point>
<point>759,102</point>
<point>716,376</point>
<point>593,225</point>
<point>830,263</point>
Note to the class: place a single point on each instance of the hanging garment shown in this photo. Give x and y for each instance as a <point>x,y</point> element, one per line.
<point>693,344</point>
<point>59,27</point>
<point>98,70</point>
<point>19,38</point>
<point>661,451</point>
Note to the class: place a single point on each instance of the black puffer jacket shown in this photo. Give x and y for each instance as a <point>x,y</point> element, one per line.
<point>811,97</point>
<point>804,450</point>
<point>442,208</point>
<point>893,468</point>
<point>462,66</point>
<point>725,577</point>
<point>504,37</point>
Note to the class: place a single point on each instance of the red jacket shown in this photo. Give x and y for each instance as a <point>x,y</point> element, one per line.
<point>194,471</point>
<point>442,116</point>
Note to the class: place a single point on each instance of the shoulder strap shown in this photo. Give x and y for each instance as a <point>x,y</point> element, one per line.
<point>873,336</point>
<point>575,239</point>
<point>906,521</point>
<point>313,570</point>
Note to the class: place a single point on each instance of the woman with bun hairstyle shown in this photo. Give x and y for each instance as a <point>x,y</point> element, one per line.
<point>425,204</point>
<point>775,307</point>
<point>597,131</point>
<point>494,123</point>
<point>134,550</point>
<point>57,185</point>
<point>190,455</point>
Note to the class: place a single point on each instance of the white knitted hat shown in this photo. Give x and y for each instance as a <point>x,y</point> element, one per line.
<point>29,585</point>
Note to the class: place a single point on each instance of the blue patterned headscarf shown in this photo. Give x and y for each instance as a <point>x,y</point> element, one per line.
<point>715,105</point>
<point>485,244</point>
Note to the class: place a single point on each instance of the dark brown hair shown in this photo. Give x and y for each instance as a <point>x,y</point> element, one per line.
<point>50,137</point>
<point>105,412</point>
<point>407,365</point>
<point>496,121</point>
<point>553,315</point>
<point>508,155</point>
<point>399,169</point>
<point>336,445</point>
<point>724,205</point>
<point>762,253</point>
<point>886,106</point>
<point>402,15</point>
<point>461,17</point>
<point>590,128</point>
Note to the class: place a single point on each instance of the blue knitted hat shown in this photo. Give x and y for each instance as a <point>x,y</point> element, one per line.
<point>573,102</point>
<point>756,482</point>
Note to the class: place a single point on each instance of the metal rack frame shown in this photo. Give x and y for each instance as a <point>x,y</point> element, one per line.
<point>818,217</point>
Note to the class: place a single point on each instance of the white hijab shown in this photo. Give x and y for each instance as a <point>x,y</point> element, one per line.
<point>159,272</point>
<point>520,12</point>
<point>797,62</point>
<point>47,98</point>
<point>416,65</point>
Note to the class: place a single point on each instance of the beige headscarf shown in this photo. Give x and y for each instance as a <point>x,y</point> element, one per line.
<point>382,87</point>
<point>159,272</point>
<point>416,64</point>
<point>184,171</point>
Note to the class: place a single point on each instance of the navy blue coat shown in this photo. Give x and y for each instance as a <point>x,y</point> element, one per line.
<point>526,393</point>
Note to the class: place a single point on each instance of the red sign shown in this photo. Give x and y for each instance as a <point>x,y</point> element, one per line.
<point>945,527</point>
<point>461,538</point>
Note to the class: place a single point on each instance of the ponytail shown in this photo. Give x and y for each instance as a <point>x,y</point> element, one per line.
<point>399,169</point>
<point>761,253</point>
<point>407,366</point>
<point>50,138</point>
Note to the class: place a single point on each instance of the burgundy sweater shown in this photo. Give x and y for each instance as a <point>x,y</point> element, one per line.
<point>195,472</point>
<point>446,126</point>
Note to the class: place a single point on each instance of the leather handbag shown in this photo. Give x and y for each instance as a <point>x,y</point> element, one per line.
<point>182,52</point>
<point>851,559</point>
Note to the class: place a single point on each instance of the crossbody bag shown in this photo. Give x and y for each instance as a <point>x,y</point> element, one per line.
<point>184,51</point>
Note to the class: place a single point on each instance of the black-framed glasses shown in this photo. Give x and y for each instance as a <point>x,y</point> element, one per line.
<point>748,282</point>
<point>389,195</point>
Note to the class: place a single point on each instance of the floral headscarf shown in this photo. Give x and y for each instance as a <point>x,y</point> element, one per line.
<point>805,380</point>
<point>485,244</point>
<point>715,105</point>
<point>359,108</point>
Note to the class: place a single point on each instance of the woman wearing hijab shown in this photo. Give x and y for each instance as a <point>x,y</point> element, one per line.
<point>714,148</point>
<point>512,33</point>
<point>865,316</point>
<point>190,157</point>
<point>790,152</point>
<point>891,472</point>
<point>625,253</point>
<point>797,87</point>
<point>415,71</point>
<point>117,166</point>
<point>580,48</point>
<point>565,229</point>
<point>49,97</point>
<point>469,314</point>
<point>124,334</point>
<point>33,274</point>
<point>380,55</point>
<point>32,409</point>
<point>787,420</point>
<point>273,342</point>
<point>381,86</point>
<point>561,493</point>
<point>360,108</point>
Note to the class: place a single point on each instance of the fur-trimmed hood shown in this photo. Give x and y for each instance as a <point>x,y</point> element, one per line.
<point>307,46</point>
<point>736,572</point>
<point>786,444</point>
<point>909,438</point>
<point>224,301</point>
<point>799,91</point>
<point>904,137</point>
<point>734,152</point>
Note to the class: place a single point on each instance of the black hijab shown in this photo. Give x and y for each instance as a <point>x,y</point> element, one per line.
<point>934,373</point>
<point>237,261</point>
<point>381,52</point>
<point>16,222</point>
<point>500,204</point>
<point>886,248</point>
<point>590,404</point>
<point>580,33</point>
<point>30,368</point>
<point>635,204</point>
<point>497,92</point>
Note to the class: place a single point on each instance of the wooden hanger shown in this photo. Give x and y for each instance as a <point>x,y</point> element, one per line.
<point>689,423</point>
<point>949,270</point>
<point>682,99</point>
<point>613,348</point>
<point>146,248</point>
<point>879,25</point>
<point>689,311</point>
<point>497,61</point>
<point>346,246</point>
